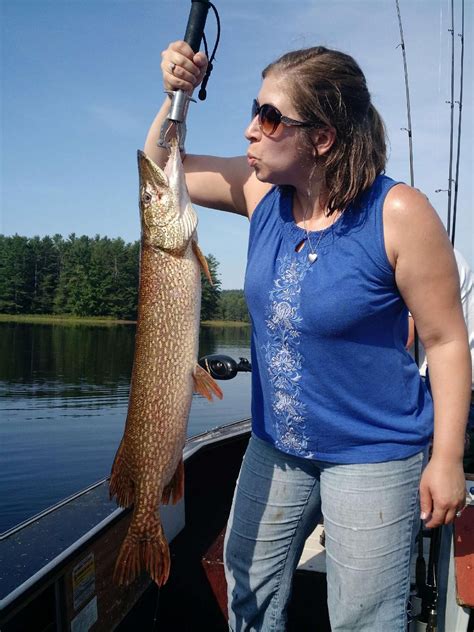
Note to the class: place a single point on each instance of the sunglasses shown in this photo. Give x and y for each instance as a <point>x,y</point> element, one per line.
<point>269,118</point>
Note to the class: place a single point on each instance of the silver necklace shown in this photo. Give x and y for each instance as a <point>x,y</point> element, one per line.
<point>313,255</point>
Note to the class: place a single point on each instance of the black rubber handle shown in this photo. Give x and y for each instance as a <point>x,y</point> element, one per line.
<point>223,367</point>
<point>196,23</point>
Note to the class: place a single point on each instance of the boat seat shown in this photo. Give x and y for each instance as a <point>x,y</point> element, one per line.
<point>464,557</point>
<point>313,559</point>
<point>213,563</point>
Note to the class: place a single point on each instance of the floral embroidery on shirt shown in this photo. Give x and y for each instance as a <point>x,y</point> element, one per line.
<point>282,356</point>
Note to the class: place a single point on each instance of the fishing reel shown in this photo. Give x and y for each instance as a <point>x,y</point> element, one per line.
<point>223,367</point>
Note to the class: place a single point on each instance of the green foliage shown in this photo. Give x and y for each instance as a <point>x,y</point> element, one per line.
<point>78,276</point>
<point>85,276</point>
<point>16,274</point>
<point>210,293</point>
<point>233,306</point>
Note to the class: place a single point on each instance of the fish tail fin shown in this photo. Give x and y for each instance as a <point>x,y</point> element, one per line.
<point>143,550</point>
<point>121,483</point>
<point>175,488</point>
<point>204,384</point>
<point>202,261</point>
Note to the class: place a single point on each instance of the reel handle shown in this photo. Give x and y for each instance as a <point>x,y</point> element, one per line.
<point>223,367</point>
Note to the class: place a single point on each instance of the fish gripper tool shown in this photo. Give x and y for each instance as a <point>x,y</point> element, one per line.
<point>176,118</point>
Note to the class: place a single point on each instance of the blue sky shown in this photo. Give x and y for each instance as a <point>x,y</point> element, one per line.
<point>81,83</point>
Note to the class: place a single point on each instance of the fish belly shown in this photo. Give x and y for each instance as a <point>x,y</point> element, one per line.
<point>150,453</point>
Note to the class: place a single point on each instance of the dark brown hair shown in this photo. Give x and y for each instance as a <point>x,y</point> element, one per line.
<point>328,88</point>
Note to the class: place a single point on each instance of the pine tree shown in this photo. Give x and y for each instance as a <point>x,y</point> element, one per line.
<point>210,293</point>
<point>16,275</point>
<point>46,261</point>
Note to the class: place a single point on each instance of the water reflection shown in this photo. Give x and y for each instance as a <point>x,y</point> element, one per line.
<point>65,354</point>
<point>63,402</point>
<point>212,337</point>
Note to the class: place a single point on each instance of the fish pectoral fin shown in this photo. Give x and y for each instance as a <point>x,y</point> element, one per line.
<point>204,384</point>
<point>202,261</point>
<point>175,488</point>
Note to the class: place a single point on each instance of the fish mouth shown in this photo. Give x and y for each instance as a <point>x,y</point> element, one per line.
<point>149,171</point>
<point>168,218</point>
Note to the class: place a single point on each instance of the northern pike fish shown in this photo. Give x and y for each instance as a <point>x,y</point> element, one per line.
<point>148,467</point>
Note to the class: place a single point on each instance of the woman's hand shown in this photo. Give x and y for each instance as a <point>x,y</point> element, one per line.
<point>442,491</point>
<point>182,68</point>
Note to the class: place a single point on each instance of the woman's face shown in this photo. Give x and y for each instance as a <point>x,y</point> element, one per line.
<point>285,157</point>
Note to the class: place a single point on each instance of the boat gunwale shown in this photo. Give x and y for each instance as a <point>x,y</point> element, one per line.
<point>50,571</point>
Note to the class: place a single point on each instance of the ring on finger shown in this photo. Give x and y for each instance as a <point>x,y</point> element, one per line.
<point>172,67</point>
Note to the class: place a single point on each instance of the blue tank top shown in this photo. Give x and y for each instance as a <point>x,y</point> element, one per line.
<point>331,379</point>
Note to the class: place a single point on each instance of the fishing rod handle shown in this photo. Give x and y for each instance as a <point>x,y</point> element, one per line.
<point>193,37</point>
<point>196,23</point>
<point>180,99</point>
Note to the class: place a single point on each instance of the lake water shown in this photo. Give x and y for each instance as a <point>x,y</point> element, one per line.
<point>63,404</point>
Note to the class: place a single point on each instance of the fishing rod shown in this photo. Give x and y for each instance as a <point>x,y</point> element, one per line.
<point>451,133</point>
<point>425,576</point>
<point>180,99</point>
<point>407,93</point>
<point>461,83</point>
<point>409,131</point>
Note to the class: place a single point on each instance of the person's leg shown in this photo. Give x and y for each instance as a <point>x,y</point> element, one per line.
<point>370,512</point>
<point>276,506</point>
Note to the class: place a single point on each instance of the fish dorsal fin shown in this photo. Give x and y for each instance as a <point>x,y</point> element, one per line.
<point>202,261</point>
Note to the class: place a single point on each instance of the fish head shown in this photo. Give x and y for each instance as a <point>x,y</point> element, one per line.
<point>168,219</point>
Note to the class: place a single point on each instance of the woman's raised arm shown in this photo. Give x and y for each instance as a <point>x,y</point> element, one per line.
<point>227,184</point>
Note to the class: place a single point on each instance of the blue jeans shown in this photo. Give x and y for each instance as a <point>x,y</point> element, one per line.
<point>370,511</point>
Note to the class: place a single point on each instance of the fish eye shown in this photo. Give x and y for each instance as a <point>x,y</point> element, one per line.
<point>147,197</point>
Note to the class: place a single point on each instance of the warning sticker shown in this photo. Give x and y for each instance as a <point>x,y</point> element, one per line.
<point>83,581</point>
<point>86,618</point>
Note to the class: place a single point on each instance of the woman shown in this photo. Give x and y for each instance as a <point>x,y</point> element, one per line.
<point>341,420</point>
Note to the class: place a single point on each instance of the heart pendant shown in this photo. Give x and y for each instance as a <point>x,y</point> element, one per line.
<point>312,257</point>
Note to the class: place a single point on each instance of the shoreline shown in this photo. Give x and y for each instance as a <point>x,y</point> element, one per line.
<point>104,321</point>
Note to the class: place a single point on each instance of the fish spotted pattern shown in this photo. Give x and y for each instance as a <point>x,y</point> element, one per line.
<point>148,467</point>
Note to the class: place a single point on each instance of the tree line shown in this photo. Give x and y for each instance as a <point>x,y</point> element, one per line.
<point>90,276</point>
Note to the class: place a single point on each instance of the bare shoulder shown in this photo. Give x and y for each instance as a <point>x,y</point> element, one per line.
<point>410,221</point>
<point>422,257</point>
<point>227,184</point>
<point>404,204</point>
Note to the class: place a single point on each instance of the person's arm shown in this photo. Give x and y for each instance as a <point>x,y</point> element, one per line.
<point>426,275</point>
<point>227,184</point>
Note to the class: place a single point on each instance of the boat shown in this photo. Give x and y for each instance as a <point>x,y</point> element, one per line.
<point>56,567</point>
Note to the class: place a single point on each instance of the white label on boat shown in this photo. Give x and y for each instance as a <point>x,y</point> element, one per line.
<point>83,581</point>
<point>86,618</point>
